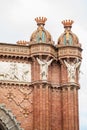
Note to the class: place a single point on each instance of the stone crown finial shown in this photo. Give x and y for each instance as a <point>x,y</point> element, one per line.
<point>41,20</point>
<point>67,23</point>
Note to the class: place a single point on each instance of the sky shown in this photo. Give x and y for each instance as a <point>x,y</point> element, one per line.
<point>17,23</point>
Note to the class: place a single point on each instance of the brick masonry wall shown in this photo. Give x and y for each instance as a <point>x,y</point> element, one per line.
<point>41,107</point>
<point>70,109</point>
<point>20,101</point>
<point>56,110</point>
<point>54,73</point>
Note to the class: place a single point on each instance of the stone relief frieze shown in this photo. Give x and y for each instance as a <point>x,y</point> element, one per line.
<point>11,71</point>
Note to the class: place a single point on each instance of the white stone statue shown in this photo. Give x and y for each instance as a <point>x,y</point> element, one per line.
<point>44,68</point>
<point>71,68</point>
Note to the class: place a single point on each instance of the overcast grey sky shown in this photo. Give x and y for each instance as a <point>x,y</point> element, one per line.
<point>17,23</point>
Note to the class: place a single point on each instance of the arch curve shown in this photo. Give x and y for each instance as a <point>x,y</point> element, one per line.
<point>2,126</point>
<point>8,120</point>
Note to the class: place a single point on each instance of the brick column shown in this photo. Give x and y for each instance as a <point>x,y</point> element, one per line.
<point>76,116</point>
<point>72,107</point>
<point>41,107</point>
<point>65,109</point>
<point>69,109</point>
<point>36,108</point>
<point>47,107</point>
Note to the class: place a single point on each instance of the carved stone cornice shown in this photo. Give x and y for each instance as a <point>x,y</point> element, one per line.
<point>71,85</point>
<point>11,49</point>
<point>14,84</point>
<point>28,84</point>
<point>69,52</point>
<point>42,49</point>
<point>37,83</point>
<point>44,84</point>
<point>30,50</point>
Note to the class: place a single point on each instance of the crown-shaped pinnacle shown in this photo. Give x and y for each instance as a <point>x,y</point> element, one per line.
<point>41,20</point>
<point>67,23</point>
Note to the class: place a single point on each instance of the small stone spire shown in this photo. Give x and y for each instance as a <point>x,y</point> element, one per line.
<point>41,20</point>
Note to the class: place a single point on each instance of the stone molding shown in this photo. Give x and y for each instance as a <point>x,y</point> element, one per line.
<point>8,119</point>
<point>57,52</point>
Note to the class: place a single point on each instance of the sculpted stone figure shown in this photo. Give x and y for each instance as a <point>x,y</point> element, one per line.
<point>71,68</point>
<point>44,68</point>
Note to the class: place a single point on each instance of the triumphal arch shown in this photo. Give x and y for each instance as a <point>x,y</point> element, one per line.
<point>39,81</point>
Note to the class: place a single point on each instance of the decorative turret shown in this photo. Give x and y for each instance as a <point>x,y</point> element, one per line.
<point>68,37</point>
<point>69,54</point>
<point>41,35</point>
<point>41,43</point>
<point>68,43</point>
